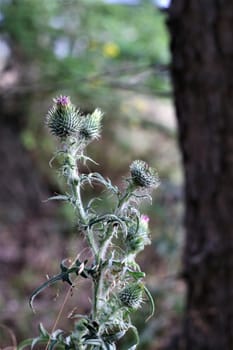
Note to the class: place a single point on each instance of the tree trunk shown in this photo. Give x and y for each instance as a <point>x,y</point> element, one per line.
<point>202,72</point>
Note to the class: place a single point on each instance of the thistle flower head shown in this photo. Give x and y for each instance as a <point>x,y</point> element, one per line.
<point>63,118</point>
<point>62,101</point>
<point>131,295</point>
<point>90,126</point>
<point>142,175</point>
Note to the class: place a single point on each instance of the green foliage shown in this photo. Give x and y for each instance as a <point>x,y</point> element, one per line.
<point>27,22</point>
<point>87,42</point>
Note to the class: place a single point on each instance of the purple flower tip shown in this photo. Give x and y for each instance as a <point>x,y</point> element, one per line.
<point>62,100</point>
<point>145,218</point>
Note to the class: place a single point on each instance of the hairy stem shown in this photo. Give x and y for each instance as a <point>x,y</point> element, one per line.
<point>76,189</point>
<point>126,196</point>
<point>98,293</point>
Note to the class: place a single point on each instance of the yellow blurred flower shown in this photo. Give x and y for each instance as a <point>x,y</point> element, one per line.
<point>111,50</point>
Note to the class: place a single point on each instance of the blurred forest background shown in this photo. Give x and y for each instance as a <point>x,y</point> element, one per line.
<point>112,56</point>
<point>115,55</point>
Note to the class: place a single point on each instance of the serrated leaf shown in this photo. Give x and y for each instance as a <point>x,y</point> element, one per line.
<point>136,274</point>
<point>111,346</point>
<point>39,340</point>
<point>56,334</point>
<point>110,218</point>
<point>46,284</point>
<point>96,177</point>
<point>136,337</point>
<point>150,298</point>
<point>105,346</point>
<point>42,330</point>
<point>24,343</point>
<point>93,341</point>
<point>85,158</point>
<point>59,197</point>
<point>52,344</point>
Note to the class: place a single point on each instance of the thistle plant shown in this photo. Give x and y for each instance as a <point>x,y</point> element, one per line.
<point>114,238</point>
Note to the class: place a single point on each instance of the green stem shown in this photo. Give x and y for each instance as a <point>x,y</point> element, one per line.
<point>76,189</point>
<point>91,242</point>
<point>74,180</point>
<point>79,204</point>
<point>98,293</point>
<point>126,196</point>
<point>96,297</point>
<point>97,288</point>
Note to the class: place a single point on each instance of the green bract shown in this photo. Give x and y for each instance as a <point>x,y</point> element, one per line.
<point>63,118</point>
<point>90,126</point>
<point>142,175</point>
<point>131,295</point>
<point>138,236</point>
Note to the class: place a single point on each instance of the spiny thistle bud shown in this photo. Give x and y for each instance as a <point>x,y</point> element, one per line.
<point>137,237</point>
<point>143,175</point>
<point>131,295</point>
<point>63,118</point>
<point>90,126</point>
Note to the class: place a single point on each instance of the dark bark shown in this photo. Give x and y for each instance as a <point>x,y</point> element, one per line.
<point>202,72</point>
